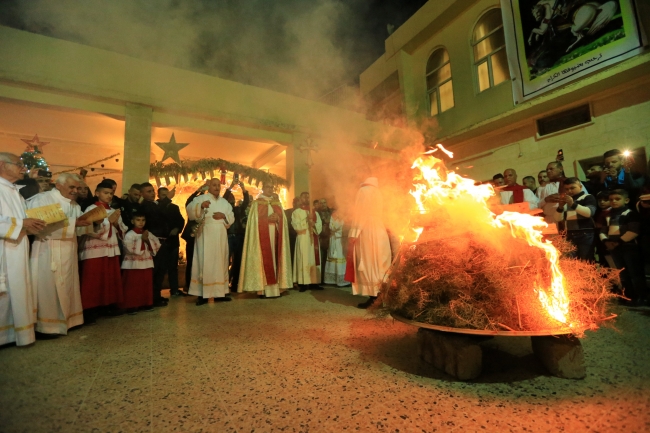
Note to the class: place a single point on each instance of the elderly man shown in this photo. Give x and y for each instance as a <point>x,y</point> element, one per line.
<point>16,301</point>
<point>55,273</point>
<point>515,193</point>
<point>210,265</point>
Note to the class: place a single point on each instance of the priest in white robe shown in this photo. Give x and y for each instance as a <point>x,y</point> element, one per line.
<point>307,260</point>
<point>266,260</point>
<point>335,264</point>
<point>369,253</point>
<point>55,269</point>
<point>210,265</point>
<point>17,309</point>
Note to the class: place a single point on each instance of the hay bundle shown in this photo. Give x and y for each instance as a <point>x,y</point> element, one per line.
<point>464,281</point>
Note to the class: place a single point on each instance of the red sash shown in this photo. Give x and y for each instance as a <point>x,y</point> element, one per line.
<point>349,261</point>
<point>517,192</point>
<point>265,239</point>
<point>314,235</point>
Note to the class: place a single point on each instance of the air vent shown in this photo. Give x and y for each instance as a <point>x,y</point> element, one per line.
<point>565,120</point>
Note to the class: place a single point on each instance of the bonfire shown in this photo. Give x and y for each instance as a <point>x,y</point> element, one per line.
<point>466,267</point>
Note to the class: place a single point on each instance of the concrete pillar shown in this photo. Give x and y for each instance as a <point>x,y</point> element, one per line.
<point>407,85</point>
<point>137,145</point>
<point>297,169</point>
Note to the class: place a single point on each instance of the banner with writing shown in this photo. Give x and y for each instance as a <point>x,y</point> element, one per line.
<point>553,42</point>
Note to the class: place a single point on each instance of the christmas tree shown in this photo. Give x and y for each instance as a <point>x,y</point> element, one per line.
<point>32,159</point>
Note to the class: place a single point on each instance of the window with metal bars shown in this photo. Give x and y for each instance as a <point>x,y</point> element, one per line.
<point>489,44</point>
<point>439,87</point>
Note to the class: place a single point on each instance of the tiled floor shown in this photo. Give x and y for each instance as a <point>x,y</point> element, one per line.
<point>308,362</point>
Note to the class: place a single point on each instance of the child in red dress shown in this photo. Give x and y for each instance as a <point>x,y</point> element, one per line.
<point>137,268</point>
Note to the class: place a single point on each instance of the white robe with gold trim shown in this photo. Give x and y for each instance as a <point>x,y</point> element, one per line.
<point>252,277</point>
<point>55,269</point>
<point>305,270</point>
<point>210,265</point>
<point>17,309</point>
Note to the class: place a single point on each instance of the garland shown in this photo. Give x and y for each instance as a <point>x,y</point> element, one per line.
<point>87,165</point>
<point>207,166</point>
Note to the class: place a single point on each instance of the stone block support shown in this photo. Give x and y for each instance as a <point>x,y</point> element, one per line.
<point>561,355</point>
<point>459,356</point>
<point>137,145</point>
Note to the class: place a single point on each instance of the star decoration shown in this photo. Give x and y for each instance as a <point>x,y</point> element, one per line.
<point>34,144</point>
<point>171,149</point>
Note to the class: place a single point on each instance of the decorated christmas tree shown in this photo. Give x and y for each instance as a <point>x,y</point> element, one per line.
<point>33,159</point>
<point>32,156</point>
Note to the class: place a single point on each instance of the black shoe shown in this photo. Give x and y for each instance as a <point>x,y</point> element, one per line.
<point>42,336</point>
<point>224,299</point>
<point>115,312</point>
<point>201,301</point>
<point>148,308</point>
<point>90,318</point>
<point>261,296</point>
<point>316,287</point>
<point>175,293</point>
<point>368,303</point>
<point>302,289</point>
<point>159,303</point>
<point>132,311</point>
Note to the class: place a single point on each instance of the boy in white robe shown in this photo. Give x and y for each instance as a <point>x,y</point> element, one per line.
<point>17,309</point>
<point>307,261</point>
<point>210,264</point>
<point>55,270</point>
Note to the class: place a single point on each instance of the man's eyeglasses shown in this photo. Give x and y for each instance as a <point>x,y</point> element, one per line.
<point>20,165</point>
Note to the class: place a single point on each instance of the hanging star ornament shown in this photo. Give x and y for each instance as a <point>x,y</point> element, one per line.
<point>171,149</point>
<point>34,144</point>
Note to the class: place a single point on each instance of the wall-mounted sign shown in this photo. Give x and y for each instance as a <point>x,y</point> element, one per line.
<point>553,42</point>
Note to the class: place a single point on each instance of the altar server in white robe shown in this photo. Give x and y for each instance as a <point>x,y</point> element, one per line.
<point>369,253</point>
<point>210,264</point>
<point>335,265</point>
<point>55,270</point>
<point>307,261</point>
<point>266,261</point>
<point>17,309</point>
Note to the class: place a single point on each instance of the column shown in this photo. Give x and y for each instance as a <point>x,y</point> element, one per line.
<point>137,145</point>
<point>297,169</point>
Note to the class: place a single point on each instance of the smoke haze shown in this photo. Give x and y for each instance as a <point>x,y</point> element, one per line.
<point>303,47</point>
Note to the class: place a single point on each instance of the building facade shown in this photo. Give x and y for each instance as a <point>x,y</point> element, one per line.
<point>445,72</point>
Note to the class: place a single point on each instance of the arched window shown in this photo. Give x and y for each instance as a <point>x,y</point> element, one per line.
<point>439,87</point>
<point>489,46</point>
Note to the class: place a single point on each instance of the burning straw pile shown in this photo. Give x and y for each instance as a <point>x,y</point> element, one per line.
<point>471,269</point>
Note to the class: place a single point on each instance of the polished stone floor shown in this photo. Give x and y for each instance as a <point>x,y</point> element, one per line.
<point>307,362</point>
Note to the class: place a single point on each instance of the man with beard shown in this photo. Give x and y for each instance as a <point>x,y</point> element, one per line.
<point>266,263</point>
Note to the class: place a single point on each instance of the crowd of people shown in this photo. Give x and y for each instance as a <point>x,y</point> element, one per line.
<point>106,255</point>
<point>606,217</point>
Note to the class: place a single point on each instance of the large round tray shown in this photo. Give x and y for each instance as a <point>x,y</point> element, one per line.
<point>561,331</point>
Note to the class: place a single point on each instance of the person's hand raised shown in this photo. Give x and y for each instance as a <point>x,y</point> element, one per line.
<point>145,235</point>
<point>205,205</point>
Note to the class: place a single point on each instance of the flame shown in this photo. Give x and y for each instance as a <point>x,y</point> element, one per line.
<point>441,147</point>
<point>434,186</point>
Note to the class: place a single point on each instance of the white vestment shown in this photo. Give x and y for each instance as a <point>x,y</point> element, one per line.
<point>252,277</point>
<point>210,265</point>
<point>335,264</point>
<point>305,269</point>
<point>136,253</point>
<point>17,309</point>
<point>529,197</point>
<point>372,254</point>
<point>548,208</point>
<point>100,238</point>
<point>55,269</point>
